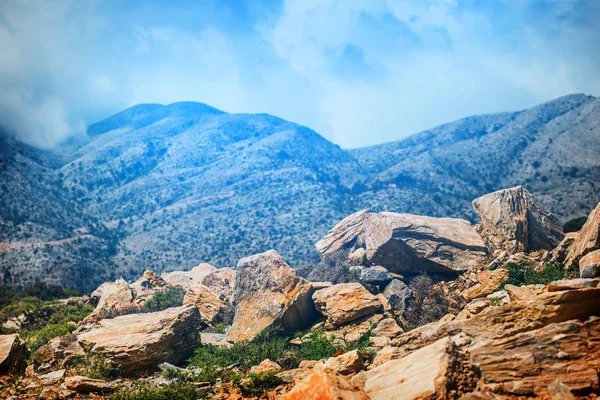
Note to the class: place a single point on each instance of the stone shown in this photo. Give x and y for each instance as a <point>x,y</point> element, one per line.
<point>345,302</point>
<point>406,243</point>
<point>265,366</point>
<point>348,363</point>
<point>376,275</point>
<point>83,384</point>
<point>559,254</point>
<point>521,292</point>
<point>52,378</point>
<point>489,285</point>
<point>13,354</point>
<point>49,394</point>
<point>139,342</point>
<point>324,384</point>
<point>568,284</point>
<point>59,352</point>
<point>513,220</point>
<point>293,375</point>
<point>387,327</point>
<point>586,241</point>
<point>527,363</point>
<point>267,291</point>
<point>146,286</point>
<point>214,339</point>
<point>354,330</point>
<point>321,285</point>
<point>397,293</point>
<point>112,298</point>
<point>186,279</point>
<point>212,306</point>
<point>308,364</point>
<point>428,373</point>
<point>589,265</point>
<point>498,298</point>
<point>379,341</point>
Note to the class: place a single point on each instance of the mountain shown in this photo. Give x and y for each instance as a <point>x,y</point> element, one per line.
<point>167,187</point>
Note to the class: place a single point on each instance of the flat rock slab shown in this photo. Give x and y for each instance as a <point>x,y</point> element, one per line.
<point>346,302</point>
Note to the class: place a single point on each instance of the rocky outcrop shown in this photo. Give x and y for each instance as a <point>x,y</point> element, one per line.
<point>112,298</point>
<point>586,241</point>
<point>559,254</point>
<point>186,279</point>
<point>406,242</point>
<point>324,384</point>
<point>266,292</point>
<point>350,362</point>
<point>388,328</point>
<point>13,354</point>
<point>213,306</point>
<point>513,220</point>
<point>490,282</point>
<point>59,352</point>
<point>589,265</point>
<point>345,302</point>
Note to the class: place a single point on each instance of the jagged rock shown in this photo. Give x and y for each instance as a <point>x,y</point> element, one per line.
<point>397,293</point>
<point>308,364</point>
<point>514,221</point>
<point>265,366</point>
<point>212,306</point>
<point>221,281</point>
<point>345,302</point>
<point>527,292</point>
<point>473,308</point>
<point>146,286</point>
<point>568,284</point>
<point>49,394</point>
<point>586,241</point>
<point>387,327</point>
<point>527,363</point>
<point>428,373</point>
<point>406,242</point>
<point>324,384</point>
<point>59,352</point>
<point>13,354</point>
<point>83,384</point>
<point>139,342</point>
<point>376,275</point>
<point>348,363</point>
<point>589,265</point>
<point>268,291</point>
<point>113,298</point>
<point>321,285</point>
<point>186,279</point>
<point>490,284</point>
<point>52,378</point>
<point>559,254</point>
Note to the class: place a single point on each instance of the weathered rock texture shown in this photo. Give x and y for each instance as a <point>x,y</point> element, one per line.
<point>346,302</point>
<point>589,265</point>
<point>113,298</point>
<point>213,306</point>
<point>13,354</point>
<point>324,384</point>
<point>186,279</point>
<point>83,384</point>
<point>514,221</point>
<point>587,239</point>
<point>266,292</point>
<point>406,242</point>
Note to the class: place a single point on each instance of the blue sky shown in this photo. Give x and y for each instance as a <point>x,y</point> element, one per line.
<point>358,72</point>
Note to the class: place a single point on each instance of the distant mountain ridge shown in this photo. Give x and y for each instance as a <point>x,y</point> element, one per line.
<point>167,187</point>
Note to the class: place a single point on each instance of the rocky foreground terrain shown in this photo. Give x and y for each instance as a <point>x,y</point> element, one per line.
<point>426,308</point>
<point>167,187</point>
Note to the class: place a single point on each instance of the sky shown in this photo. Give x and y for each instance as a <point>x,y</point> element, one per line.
<point>357,72</point>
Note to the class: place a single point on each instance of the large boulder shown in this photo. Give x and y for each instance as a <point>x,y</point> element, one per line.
<point>324,384</point>
<point>405,242</point>
<point>586,241</point>
<point>13,354</point>
<point>112,298</point>
<point>589,265</point>
<point>59,352</point>
<point>268,292</point>
<point>513,220</point>
<point>139,342</point>
<point>213,306</point>
<point>346,302</point>
<point>187,279</point>
<point>397,294</point>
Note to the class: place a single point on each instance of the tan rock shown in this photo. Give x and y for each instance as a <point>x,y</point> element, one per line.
<point>113,298</point>
<point>354,330</point>
<point>589,265</point>
<point>321,285</point>
<point>13,354</point>
<point>139,342</point>
<point>221,282</point>
<point>49,394</point>
<point>146,286</point>
<point>266,366</point>
<point>489,285</point>
<point>514,221</point>
<point>405,242</point>
<point>527,363</point>
<point>586,241</point>
<point>388,328</point>
<point>59,352</point>
<point>569,284</point>
<point>211,305</point>
<point>345,302</point>
<point>186,279</point>
<point>348,363</point>
<point>520,292</point>
<point>53,377</point>
<point>379,341</point>
<point>308,364</point>
<point>268,291</point>
<point>559,254</point>
<point>324,384</point>
<point>293,375</point>
<point>83,384</point>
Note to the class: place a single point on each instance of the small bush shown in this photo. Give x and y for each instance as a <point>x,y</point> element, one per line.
<point>95,366</point>
<point>254,385</point>
<point>172,296</point>
<point>427,304</point>
<point>49,332</point>
<point>522,276</point>
<point>333,268</point>
<point>139,390</point>
<point>317,345</point>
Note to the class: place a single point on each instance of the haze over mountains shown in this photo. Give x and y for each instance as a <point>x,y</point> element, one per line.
<point>167,187</point>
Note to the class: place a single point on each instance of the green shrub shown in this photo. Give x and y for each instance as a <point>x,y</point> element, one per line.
<point>95,366</point>
<point>254,385</point>
<point>317,345</point>
<point>574,225</point>
<point>524,276</point>
<point>139,390</point>
<point>172,296</point>
<point>49,332</point>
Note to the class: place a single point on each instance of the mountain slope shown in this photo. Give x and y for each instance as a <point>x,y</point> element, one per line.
<point>166,187</point>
